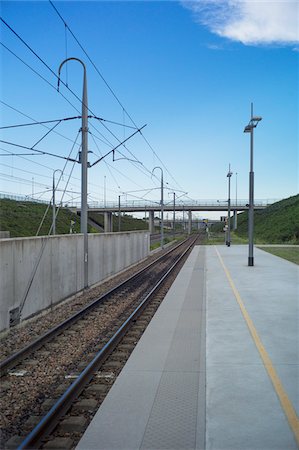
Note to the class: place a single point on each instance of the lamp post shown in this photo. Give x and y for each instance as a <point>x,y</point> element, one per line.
<point>249,129</point>
<point>236,211</point>
<point>84,165</point>
<point>162,206</point>
<point>229,174</point>
<point>119,213</point>
<point>54,206</point>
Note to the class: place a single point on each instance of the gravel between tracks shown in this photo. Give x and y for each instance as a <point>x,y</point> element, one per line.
<point>45,376</point>
<point>29,330</point>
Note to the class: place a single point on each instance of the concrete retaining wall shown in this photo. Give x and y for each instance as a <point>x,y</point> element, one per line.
<point>59,273</point>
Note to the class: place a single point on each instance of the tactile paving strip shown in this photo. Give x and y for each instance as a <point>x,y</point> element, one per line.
<point>172,423</point>
<point>174,416</point>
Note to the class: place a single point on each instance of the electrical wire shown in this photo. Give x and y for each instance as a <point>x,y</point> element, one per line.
<point>38,151</point>
<point>100,154</point>
<point>39,123</point>
<point>31,118</point>
<point>49,68</point>
<point>110,89</point>
<point>61,175</point>
<point>31,68</point>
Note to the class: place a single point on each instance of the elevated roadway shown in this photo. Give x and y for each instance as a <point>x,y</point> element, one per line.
<point>151,207</point>
<point>198,205</point>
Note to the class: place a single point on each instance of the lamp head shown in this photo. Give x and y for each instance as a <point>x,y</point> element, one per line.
<point>248,128</point>
<point>256,119</point>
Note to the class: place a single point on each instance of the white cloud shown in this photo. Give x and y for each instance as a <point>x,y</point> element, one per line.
<point>250,21</point>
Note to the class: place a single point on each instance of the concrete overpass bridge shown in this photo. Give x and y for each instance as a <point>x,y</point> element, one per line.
<point>151,207</point>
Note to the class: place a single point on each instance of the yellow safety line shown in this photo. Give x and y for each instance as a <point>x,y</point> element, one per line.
<point>282,395</point>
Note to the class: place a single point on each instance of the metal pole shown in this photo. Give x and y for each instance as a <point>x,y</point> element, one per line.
<point>119,213</point>
<point>54,205</point>
<point>254,120</point>
<point>162,211</point>
<point>173,215</point>
<point>162,207</point>
<point>236,212</point>
<point>54,208</point>
<point>104,191</point>
<point>228,231</point>
<point>228,208</point>
<point>251,199</point>
<point>84,165</point>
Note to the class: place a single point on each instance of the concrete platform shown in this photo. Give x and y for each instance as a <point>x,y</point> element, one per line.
<point>217,368</point>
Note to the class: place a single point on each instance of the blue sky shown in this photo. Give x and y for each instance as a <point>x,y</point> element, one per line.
<point>187,70</point>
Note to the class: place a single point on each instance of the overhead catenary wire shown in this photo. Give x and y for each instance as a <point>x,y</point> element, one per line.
<point>69,159</point>
<point>49,68</point>
<point>117,184</point>
<point>31,118</point>
<point>33,70</point>
<point>39,123</point>
<point>110,89</point>
<point>50,84</point>
<point>42,152</point>
<point>41,165</point>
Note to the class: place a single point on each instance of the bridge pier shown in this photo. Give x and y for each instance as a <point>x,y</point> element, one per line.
<point>189,221</point>
<point>235,220</point>
<point>151,222</point>
<point>108,228</point>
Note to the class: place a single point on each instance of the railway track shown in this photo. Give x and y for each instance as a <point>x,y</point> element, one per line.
<point>112,316</point>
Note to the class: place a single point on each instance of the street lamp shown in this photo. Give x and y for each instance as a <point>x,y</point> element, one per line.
<point>162,206</point>
<point>54,206</point>
<point>229,174</point>
<point>236,211</point>
<point>249,129</point>
<point>84,164</point>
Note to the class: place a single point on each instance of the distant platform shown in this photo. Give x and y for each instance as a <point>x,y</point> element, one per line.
<point>217,367</point>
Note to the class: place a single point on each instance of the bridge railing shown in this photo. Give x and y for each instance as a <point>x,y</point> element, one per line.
<point>148,203</point>
<point>189,204</point>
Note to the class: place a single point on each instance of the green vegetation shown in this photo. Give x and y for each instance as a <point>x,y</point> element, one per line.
<point>289,253</point>
<point>165,241</point>
<point>216,238</point>
<point>277,224</point>
<point>22,219</point>
<point>128,222</point>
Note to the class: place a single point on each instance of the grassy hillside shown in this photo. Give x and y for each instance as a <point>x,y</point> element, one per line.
<point>277,224</point>
<point>128,223</point>
<point>23,218</point>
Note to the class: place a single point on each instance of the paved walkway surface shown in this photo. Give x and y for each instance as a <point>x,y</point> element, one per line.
<point>217,368</point>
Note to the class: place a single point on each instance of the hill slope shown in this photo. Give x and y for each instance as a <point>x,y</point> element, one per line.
<point>128,222</point>
<point>22,219</point>
<point>277,224</point>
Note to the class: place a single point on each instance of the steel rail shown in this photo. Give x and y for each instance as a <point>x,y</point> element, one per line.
<point>15,358</point>
<point>51,419</point>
